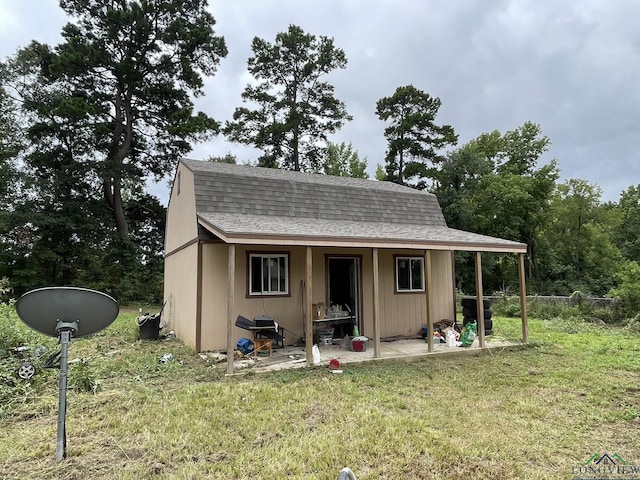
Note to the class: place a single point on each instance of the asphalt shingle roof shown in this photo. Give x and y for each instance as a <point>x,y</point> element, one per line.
<point>237,200</point>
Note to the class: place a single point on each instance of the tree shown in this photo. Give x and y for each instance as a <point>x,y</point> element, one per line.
<point>295,110</point>
<point>227,158</point>
<point>627,234</point>
<point>492,186</point>
<point>458,182</point>
<point>579,254</point>
<point>414,139</point>
<point>628,289</point>
<point>130,70</point>
<point>343,161</point>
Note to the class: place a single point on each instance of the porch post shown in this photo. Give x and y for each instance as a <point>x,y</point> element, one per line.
<point>308,327</point>
<point>523,299</point>
<point>453,285</point>
<point>429,295</point>
<point>376,304</point>
<point>479,299</point>
<point>199,300</point>
<point>231,281</point>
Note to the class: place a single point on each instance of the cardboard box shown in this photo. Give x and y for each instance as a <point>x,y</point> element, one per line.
<point>317,311</point>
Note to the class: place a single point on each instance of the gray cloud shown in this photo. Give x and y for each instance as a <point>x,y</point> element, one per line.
<point>570,66</point>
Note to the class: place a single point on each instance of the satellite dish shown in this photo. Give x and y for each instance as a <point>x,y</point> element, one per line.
<point>45,308</point>
<point>66,312</point>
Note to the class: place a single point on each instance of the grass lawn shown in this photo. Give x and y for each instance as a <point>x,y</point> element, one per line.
<point>538,413</point>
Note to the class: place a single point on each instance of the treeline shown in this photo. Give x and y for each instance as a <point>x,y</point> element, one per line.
<point>84,125</point>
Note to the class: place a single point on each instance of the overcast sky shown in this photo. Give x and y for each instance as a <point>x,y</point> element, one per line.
<point>571,66</point>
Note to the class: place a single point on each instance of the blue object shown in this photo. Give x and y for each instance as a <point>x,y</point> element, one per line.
<point>245,345</point>
<point>425,332</point>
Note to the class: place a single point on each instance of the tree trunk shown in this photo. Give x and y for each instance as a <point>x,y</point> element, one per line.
<point>113,195</point>
<point>296,159</point>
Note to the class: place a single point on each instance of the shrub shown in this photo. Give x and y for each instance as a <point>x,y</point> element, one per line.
<point>507,308</point>
<point>628,289</point>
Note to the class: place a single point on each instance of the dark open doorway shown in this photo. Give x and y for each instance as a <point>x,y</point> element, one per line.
<point>343,286</point>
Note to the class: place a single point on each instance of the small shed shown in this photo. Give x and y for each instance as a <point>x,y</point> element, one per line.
<point>251,241</point>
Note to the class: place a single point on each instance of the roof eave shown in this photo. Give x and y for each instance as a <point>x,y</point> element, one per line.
<point>359,242</point>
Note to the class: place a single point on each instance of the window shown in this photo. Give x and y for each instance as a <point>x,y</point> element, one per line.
<point>269,274</point>
<point>410,274</point>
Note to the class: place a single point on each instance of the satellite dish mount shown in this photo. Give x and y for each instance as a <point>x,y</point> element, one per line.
<point>66,312</point>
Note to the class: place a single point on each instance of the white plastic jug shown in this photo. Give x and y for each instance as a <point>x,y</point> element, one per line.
<point>315,355</point>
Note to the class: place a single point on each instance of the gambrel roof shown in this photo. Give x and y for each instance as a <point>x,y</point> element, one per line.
<point>254,205</point>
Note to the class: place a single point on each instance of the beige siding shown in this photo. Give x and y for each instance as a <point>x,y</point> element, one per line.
<point>401,314</point>
<point>180,294</point>
<point>214,296</point>
<point>443,298</point>
<point>287,311</point>
<point>181,225</point>
<point>406,313</point>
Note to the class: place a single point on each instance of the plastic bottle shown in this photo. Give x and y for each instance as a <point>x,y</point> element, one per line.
<point>356,332</point>
<point>315,354</point>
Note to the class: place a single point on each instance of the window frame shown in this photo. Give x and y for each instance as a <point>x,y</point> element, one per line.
<point>268,256</point>
<point>398,290</point>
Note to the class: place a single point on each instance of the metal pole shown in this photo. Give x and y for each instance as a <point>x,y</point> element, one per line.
<point>61,442</point>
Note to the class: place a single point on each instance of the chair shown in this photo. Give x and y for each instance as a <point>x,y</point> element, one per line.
<point>261,344</point>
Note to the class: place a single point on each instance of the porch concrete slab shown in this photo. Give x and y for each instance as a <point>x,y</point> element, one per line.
<point>397,350</point>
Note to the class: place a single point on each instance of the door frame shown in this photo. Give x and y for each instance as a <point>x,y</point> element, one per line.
<point>357,260</point>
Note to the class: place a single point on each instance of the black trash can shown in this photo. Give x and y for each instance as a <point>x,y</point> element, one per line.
<point>149,325</point>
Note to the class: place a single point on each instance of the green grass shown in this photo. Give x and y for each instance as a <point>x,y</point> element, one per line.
<point>530,414</point>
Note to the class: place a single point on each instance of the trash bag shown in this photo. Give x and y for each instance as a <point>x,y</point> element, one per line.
<point>468,334</point>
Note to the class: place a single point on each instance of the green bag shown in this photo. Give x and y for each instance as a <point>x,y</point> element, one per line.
<point>468,334</point>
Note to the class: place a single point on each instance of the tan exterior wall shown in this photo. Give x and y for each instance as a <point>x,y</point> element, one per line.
<point>180,294</point>
<point>443,298</point>
<point>287,311</point>
<point>181,225</point>
<point>401,314</point>
<point>406,313</point>
<point>214,296</point>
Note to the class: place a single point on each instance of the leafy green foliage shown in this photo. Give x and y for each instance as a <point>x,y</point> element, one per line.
<point>580,237</point>
<point>227,158</point>
<point>492,186</point>
<point>13,333</point>
<point>109,107</point>
<point>295,110</point>
<point>343,161</point>
<point>627,234</point>
<point>116,95</point>
<point>414,139</point>
<point>628,289</point>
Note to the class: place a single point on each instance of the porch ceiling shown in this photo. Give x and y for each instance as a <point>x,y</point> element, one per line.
<point>258,229</point>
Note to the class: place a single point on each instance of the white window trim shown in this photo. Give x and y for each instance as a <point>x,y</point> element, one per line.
<point>410,289</point>
<point>262,256</point>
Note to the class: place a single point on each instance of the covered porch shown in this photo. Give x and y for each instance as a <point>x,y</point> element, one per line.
<point>377,349</point>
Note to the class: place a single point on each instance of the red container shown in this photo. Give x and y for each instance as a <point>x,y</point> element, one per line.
<point>358,346</point>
